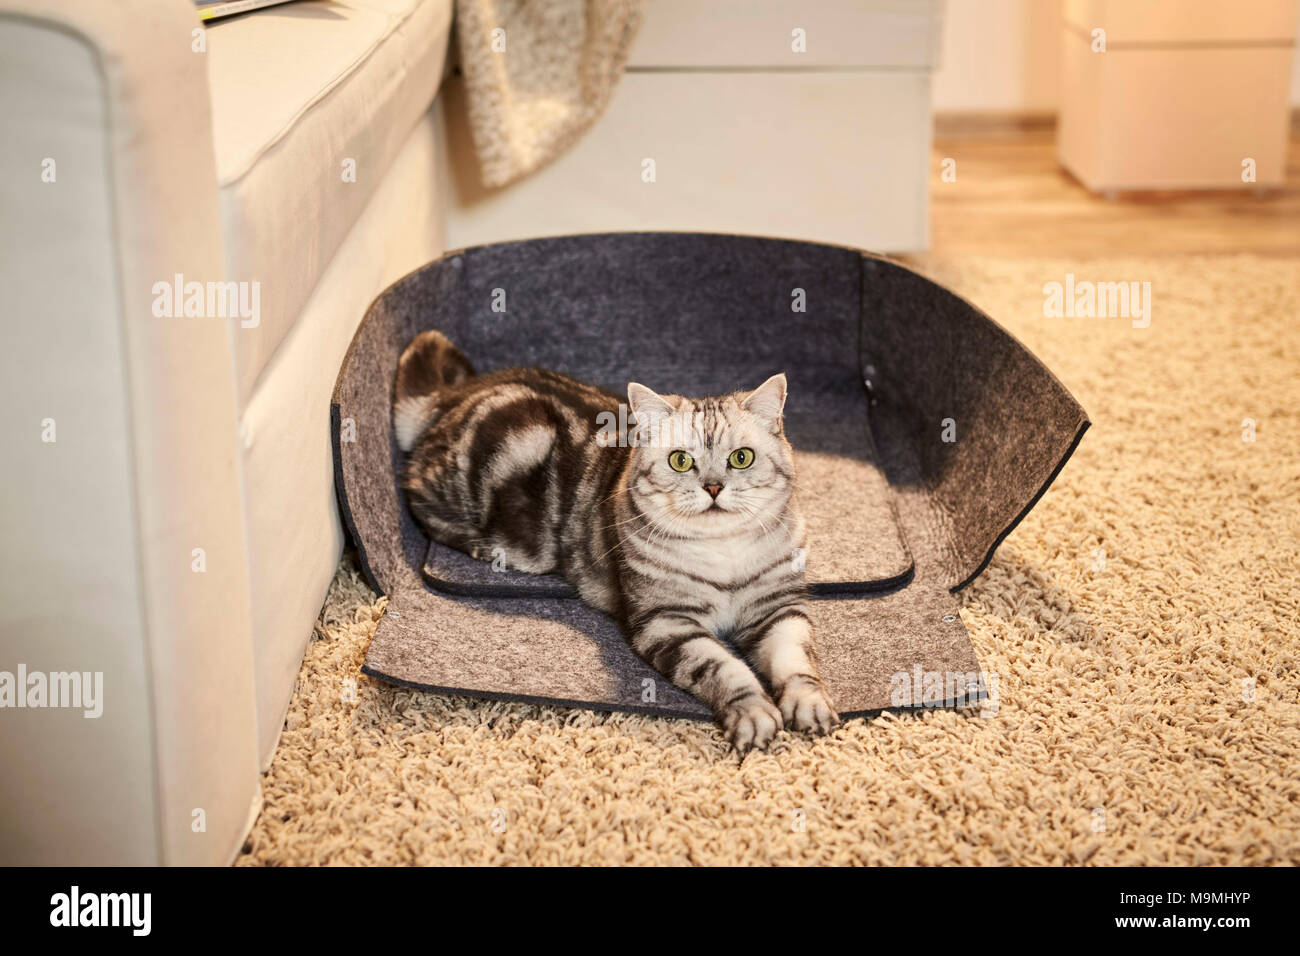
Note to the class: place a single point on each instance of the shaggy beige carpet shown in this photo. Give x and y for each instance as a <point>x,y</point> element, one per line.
<point>1141,623</point>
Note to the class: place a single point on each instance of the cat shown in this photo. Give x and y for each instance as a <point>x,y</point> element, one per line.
<point>687,535</point>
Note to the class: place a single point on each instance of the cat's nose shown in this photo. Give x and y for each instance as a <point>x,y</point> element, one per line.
<point>713,490</point>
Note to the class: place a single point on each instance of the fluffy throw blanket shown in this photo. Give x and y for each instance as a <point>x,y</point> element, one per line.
<point>538,74</point>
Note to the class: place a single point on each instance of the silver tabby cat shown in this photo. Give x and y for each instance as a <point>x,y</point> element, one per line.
<point>687,535</point>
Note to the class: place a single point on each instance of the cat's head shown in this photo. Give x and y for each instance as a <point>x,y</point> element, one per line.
<point>711,464</point>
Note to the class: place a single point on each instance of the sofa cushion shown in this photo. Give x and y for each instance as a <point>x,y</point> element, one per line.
<point>311,101</point>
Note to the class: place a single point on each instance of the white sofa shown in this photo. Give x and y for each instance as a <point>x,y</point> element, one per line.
<point>179,532</point>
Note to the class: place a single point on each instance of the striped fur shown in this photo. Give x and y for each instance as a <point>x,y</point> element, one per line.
<point>702,568</point>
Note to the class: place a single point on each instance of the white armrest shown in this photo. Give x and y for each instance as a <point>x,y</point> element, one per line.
<point>121,535</point>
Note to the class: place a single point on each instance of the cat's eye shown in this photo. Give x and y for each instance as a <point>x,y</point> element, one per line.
<point>741,458</point>
<point>680,461</point>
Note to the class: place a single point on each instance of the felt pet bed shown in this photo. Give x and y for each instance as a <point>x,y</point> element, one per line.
<point>922,431</point>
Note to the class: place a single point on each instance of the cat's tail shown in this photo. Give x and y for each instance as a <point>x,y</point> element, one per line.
<point>428,364</point>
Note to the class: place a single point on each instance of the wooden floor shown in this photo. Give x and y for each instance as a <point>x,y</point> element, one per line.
<point>1012,198</point>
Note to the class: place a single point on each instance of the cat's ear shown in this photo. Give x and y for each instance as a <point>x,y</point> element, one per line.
<point>767,401</point>
<point>647,404</point>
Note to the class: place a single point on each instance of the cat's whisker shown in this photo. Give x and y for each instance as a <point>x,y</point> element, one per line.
<point>617,544</point>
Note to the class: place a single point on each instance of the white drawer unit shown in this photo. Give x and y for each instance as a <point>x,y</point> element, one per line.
<point>1185,95</point>
<point>719,125</point>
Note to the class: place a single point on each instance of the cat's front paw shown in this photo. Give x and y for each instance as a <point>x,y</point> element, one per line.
<point>750,723</point>
<point>805,705</point>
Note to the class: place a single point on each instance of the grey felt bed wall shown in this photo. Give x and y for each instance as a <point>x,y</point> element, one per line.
<point>877,361</point>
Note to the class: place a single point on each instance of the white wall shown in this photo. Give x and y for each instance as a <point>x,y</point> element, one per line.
<point>1001,56</point>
